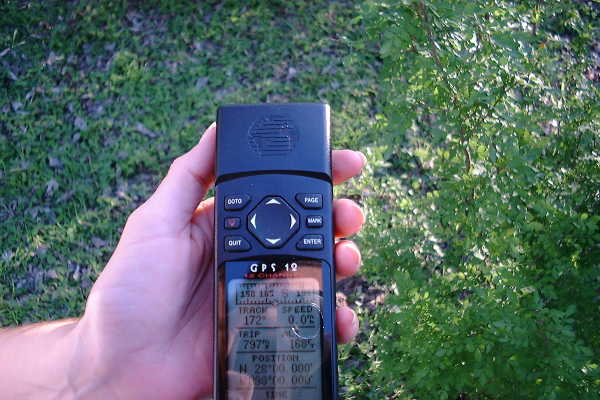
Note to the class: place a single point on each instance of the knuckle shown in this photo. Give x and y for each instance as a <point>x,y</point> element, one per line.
<point>135,216</point>
<point>177,164</point>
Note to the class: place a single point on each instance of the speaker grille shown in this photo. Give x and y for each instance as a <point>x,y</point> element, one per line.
<point>273,135</point>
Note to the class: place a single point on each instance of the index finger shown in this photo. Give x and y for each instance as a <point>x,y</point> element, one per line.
<point>346,164</point>
<point>187,181</point>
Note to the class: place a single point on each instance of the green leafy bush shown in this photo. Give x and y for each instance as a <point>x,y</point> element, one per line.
<point>491,133</point>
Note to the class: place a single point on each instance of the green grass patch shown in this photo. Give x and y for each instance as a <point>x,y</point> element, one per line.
<point>97,98</point>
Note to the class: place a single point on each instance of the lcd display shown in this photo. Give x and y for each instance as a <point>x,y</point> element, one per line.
<point>274,330</point>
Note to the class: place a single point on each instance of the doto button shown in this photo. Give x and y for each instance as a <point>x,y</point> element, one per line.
<point>236,243</point>
<point>310,200</point>
<point>236,201</point>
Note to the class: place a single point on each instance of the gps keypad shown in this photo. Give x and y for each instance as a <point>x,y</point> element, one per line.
<point>273,221</point>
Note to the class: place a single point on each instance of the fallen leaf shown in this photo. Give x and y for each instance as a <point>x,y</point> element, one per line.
<point>133,16</point>
<point>55,162</point>
<point>33,211</point>
<point>77,273</point>
<point>7,255</point>
<point>52,58</point>
<point>198,46</point>
<point>99,242</point>
<point>66,196</point>
<point>201,82</point>
<point>329,69</point>
<point>136,21</point>
<point>30,95</point>
<point>42,249</point>
<point>292,72</point>
<point>80,123</point>
<point>51,187</point>
<point>25,164</point>
<point>221,93</point>
<point>145,131</point>
<point>97,109</point>
<point>52,274</point>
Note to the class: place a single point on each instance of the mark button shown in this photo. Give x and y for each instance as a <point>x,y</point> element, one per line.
<point>314,221</point>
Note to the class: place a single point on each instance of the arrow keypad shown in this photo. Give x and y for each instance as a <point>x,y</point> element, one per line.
<point>273,221</point>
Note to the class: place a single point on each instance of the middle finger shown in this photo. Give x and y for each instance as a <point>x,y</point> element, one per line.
<point>348,218</point>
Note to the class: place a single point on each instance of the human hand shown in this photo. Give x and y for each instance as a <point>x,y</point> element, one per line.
<point>147,331</point>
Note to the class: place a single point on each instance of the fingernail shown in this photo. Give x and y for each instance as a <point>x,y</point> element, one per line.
<point>358,255</point>
<point>362,157</point>
<point>350,243</point>
<point>211,126</point>
<point>354,321</point>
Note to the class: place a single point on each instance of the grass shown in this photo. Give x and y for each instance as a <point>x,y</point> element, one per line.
<point>96,100</point>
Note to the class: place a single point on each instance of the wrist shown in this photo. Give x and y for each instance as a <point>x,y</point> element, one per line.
<point>88,375</point>
<point>35,359</point>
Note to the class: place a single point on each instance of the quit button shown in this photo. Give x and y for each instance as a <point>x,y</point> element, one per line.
<point>236,243</point>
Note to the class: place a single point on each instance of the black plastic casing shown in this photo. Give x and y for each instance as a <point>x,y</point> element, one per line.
<point>299,164</point>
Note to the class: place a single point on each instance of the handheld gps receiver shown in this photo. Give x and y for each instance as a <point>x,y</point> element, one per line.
<point>274,272</point>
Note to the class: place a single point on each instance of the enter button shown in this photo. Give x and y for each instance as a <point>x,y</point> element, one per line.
<point>310,242</point>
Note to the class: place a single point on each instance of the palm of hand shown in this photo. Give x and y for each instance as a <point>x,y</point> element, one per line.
<point>154,311</point>
<point>147,331</point>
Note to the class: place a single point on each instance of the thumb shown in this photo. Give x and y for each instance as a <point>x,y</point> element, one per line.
<point>189,178</point>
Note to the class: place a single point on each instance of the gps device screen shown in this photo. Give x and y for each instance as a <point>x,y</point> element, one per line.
<point>274,324</point>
